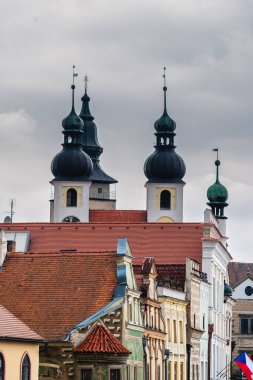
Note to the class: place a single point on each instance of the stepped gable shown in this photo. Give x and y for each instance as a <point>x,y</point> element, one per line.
<point>169,243</point>
<point>118,216</point>
<point>238,272</point>
<point>101,340</point>
<point>61,289</point>
<point>12,327</point>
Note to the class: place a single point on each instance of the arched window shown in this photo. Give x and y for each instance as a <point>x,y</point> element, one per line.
<point>71,198</point>
<point>26,368</point>
<point>2,367</point>
<point>165,200</point>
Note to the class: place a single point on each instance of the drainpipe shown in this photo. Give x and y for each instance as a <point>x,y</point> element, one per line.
<point>144,344</point>
<point>188,350</point>
<point>167,355</point>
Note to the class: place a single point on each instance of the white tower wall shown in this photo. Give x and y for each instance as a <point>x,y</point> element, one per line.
<point>61,210</point>
<point>154,212</point>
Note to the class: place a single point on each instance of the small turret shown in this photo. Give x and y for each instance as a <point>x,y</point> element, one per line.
<point>217,194</point>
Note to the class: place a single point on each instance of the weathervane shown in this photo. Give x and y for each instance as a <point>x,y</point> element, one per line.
<point>164,76</point>
<point>216,150</point>
<point>74,76</point>
<point>86,80</point>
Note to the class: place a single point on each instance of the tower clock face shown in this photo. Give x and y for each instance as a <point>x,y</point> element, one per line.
<point>71,219</point>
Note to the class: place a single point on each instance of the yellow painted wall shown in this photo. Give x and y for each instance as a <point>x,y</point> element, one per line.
<point>13,353</point>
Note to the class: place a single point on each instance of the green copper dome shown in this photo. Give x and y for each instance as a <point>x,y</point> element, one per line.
<point>228,291</point>
<point>217,193</point>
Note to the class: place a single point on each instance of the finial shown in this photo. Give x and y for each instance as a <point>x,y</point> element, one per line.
<point>73,86</point>
<point>217,163</point>
<point>86,80</point>
<point>164,89</point>
<point>164,79</point>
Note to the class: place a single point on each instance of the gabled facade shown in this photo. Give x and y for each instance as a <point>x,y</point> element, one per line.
<point>153,322</point>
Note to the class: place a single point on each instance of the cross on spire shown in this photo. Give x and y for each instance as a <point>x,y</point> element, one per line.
<point>74,75</point>
<point>86,80</point>
<point>216,150</point>
<point>164,76</point>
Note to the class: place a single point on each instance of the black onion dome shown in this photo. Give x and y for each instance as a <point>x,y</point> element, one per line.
<point>164,165</point>
<point>71,164</point>
<point>165,123</point>
<point>72,121</point>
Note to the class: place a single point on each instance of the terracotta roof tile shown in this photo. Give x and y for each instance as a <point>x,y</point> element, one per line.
<point>99,339</point>
<point>168,243</point>
<point>118,216</point>
<point>51,293</point>
<point>12,327</point>
<point>238,272</point>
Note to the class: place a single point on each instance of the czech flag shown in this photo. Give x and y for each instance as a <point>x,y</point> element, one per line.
<point>245,363</point>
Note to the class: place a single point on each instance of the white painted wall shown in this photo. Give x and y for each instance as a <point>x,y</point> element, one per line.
<point>153,201</point>
<point>239,291</point>
<point>60,209</point>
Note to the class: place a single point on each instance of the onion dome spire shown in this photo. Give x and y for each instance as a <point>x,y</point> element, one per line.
<point>164,165</point>
<point>90,142</point>
<point>217,194</point>
<point>72,163</point>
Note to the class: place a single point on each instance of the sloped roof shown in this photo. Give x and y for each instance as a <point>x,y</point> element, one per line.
<point>101,340</point>
<point>52,293</point>
<point>118,216</point>
<point>238,272</point>
<point>169,243</point>
<point>12,327</point>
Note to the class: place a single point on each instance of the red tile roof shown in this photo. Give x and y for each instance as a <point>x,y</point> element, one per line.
<point>118,216</point>
<point>168,243</point>
<point>12,327</point>
<point>99,339</point>
<point>51,293</point>
<point>238,272</point>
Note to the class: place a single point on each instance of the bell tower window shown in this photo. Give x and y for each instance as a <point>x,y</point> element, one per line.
<point>71,198</point>
<point>165,200</point>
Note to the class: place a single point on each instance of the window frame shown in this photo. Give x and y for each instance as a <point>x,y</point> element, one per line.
<point>26,355</point>
<point>3,367</point>
<point>165,200</point>
<point>71,200</point>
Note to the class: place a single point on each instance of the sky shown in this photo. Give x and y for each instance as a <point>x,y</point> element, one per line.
<point>122,46</point>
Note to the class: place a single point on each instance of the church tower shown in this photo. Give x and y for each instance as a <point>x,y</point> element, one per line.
<point>100,196</point>
<point>217,195</point>
<point>164,170</point>
<point>71,169</point>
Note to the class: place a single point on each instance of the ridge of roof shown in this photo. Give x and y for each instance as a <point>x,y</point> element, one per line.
<point>100,340</point>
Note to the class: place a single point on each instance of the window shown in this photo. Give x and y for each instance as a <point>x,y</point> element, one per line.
<point>71,198</point>
<point>115,374</point>
<point>86,374</point>
<point>135,373</point>
<point>181,331</point>
<point>175,370</point>
<point>165,200</point>
<point>181,371</point>
<point>169,333</point>
<point>158,373</point>
<point>175,330</point>
<point>204,324</point>
<point>26,368</point>
<point>128,372</point>
<point>100,190</point>
<point>246,325</point>
<point>1,367</point>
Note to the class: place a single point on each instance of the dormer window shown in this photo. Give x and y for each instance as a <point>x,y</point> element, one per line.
<point>71,198</point>
<point>165,200</point>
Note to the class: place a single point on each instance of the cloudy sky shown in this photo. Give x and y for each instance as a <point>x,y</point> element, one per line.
<point>123,46</point>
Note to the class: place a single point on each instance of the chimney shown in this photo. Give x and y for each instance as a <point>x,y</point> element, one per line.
<point>3,247</point>
<point>11,246</point>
